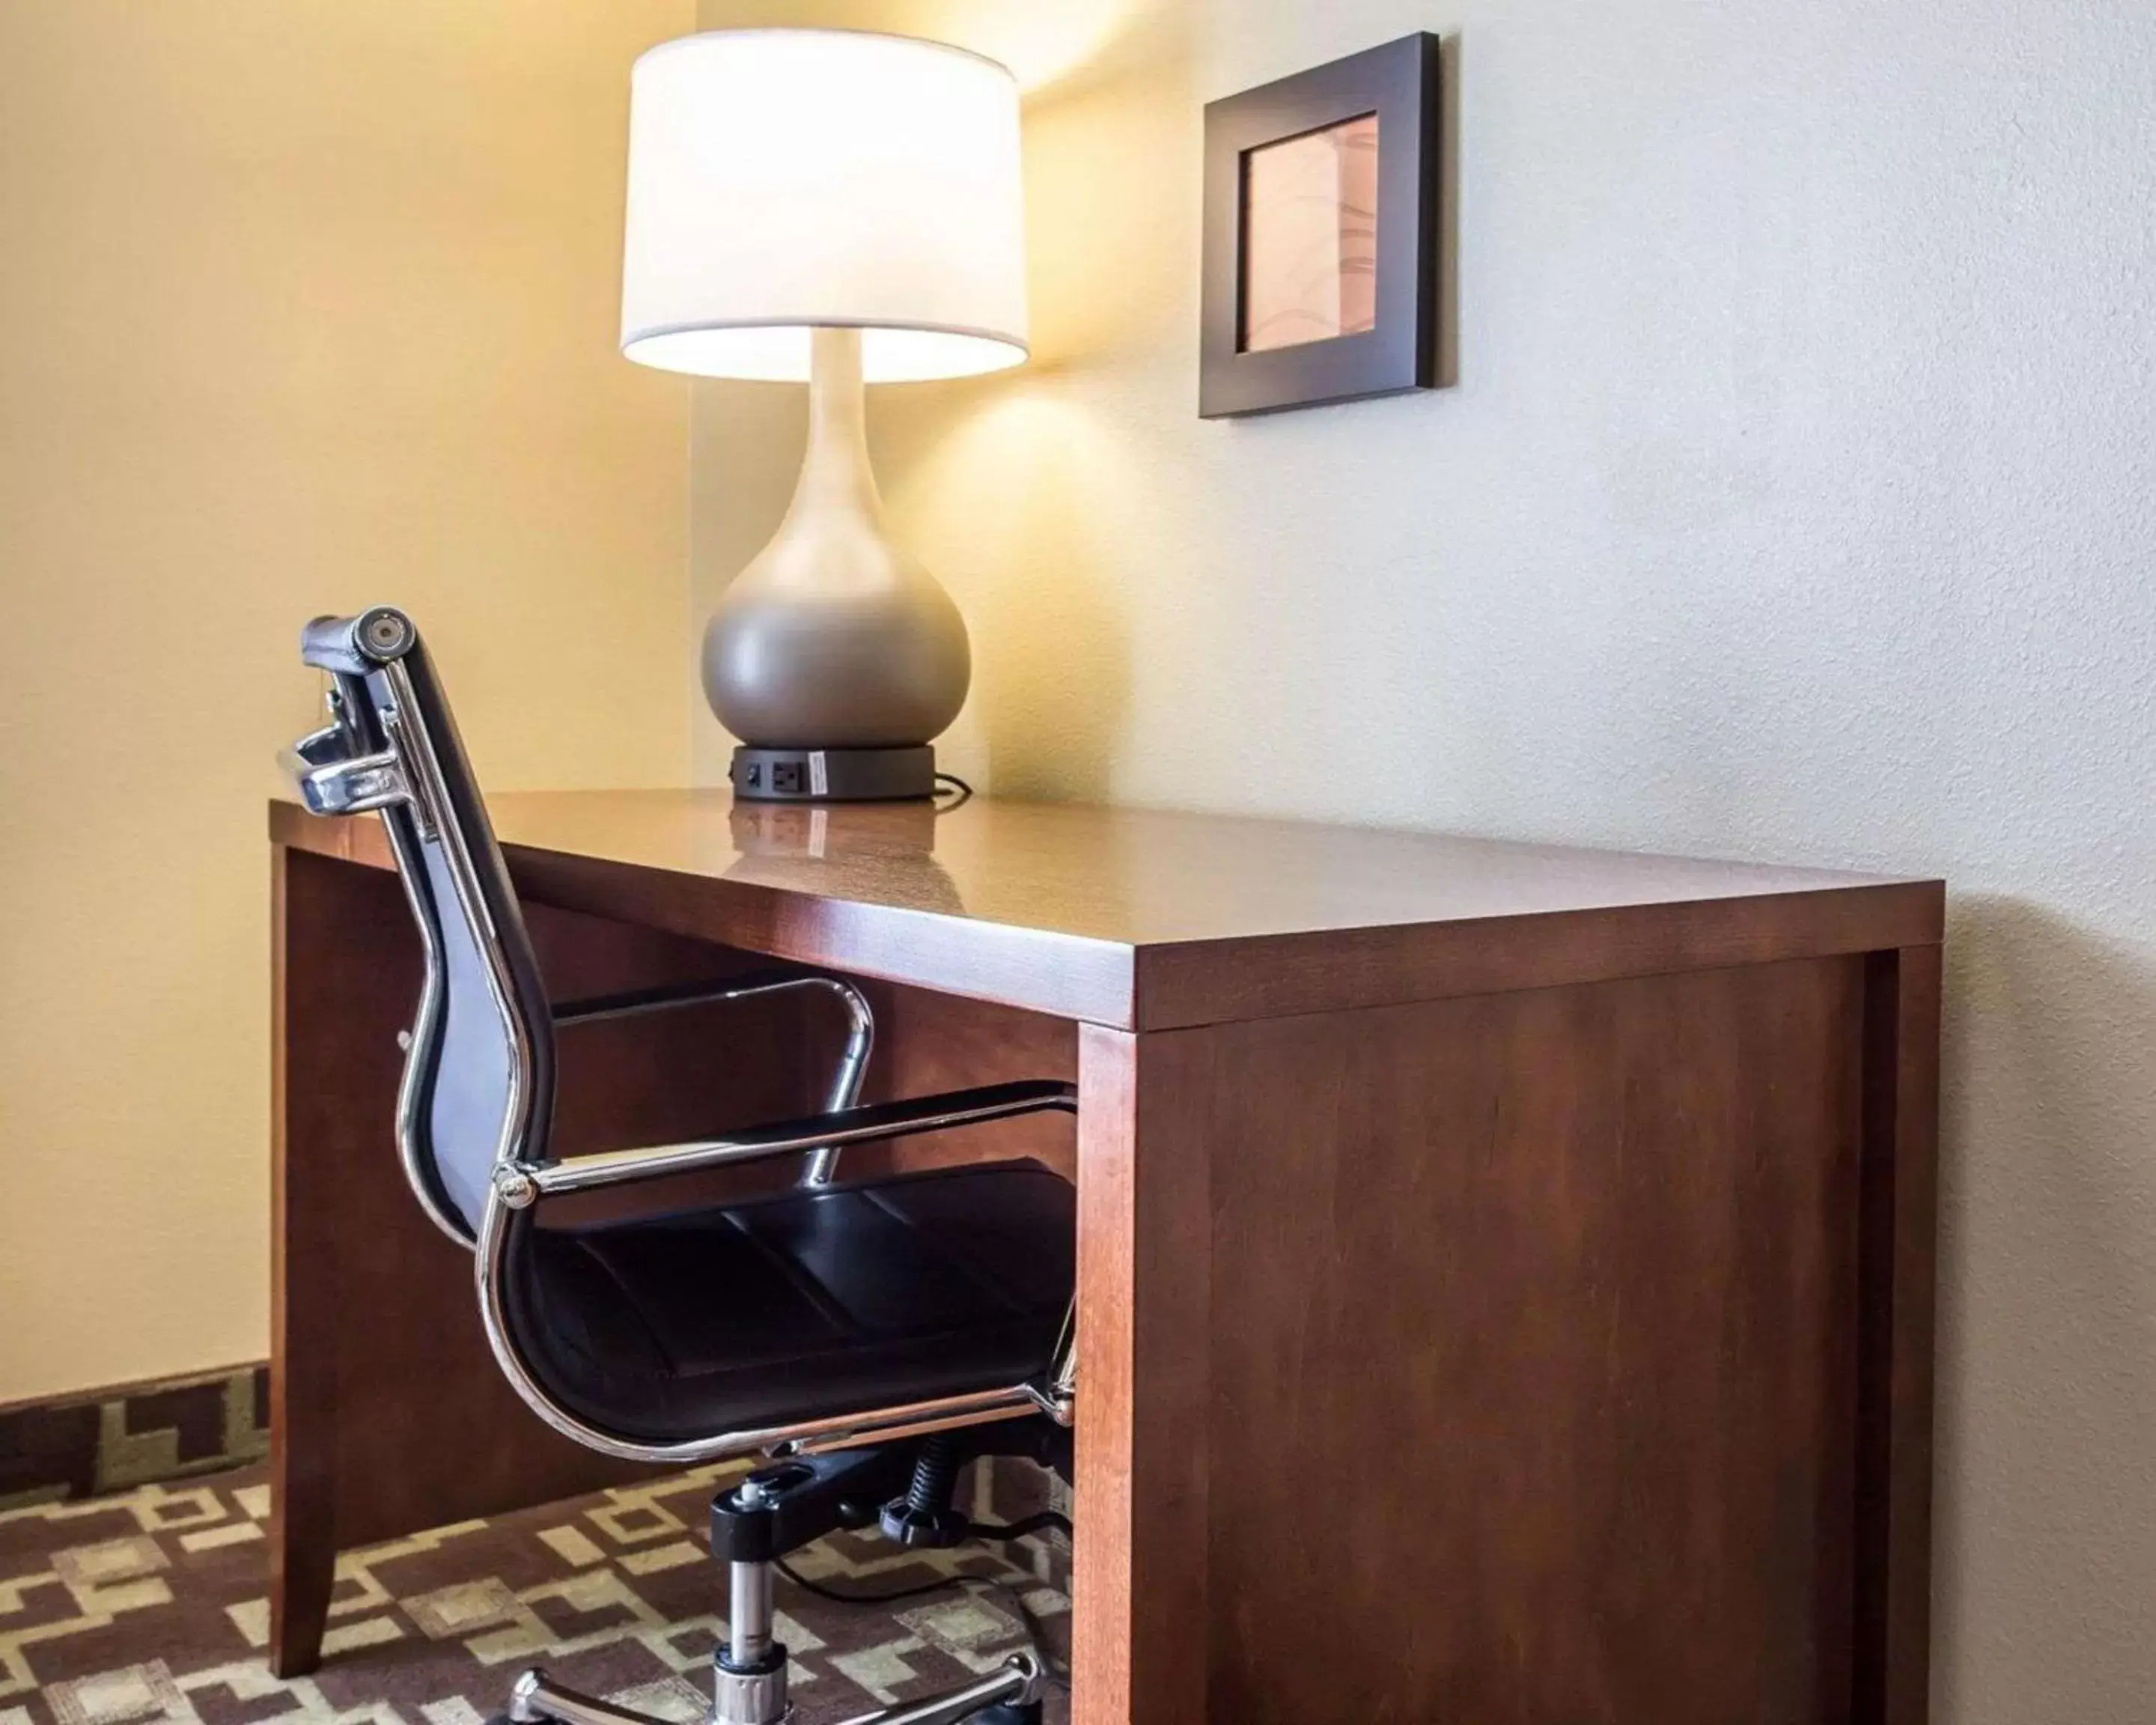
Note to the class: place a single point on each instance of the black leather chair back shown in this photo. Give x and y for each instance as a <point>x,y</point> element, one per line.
<point>478,1079</point>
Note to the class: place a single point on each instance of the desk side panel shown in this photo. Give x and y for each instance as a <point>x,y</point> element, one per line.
<point>1528,1347</point>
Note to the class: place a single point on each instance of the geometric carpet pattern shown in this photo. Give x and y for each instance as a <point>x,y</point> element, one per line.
<point>149,1607</point>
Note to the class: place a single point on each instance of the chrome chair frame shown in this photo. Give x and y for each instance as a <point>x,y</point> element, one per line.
<point>340,770</point>
<point>379,757</point>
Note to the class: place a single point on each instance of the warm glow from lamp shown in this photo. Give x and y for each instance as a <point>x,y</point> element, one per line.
<point>781,181</point>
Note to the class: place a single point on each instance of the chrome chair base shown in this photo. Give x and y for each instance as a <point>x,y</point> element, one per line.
<point>1018,1686</point>
<point>907,1491</point>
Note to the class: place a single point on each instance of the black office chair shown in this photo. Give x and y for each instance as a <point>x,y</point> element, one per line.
<point>869,1336</point>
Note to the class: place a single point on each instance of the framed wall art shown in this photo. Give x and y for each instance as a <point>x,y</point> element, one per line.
<point>1321,236</point>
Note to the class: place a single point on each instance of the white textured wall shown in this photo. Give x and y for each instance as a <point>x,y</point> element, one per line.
<point>1794,501</point>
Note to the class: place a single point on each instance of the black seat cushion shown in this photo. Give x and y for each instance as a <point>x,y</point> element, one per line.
<point>801,1306</point>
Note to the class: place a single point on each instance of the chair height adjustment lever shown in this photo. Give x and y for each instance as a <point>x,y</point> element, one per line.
<point>925,1517</point>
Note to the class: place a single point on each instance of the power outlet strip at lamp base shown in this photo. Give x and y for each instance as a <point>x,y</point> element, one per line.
<point>870,775</point>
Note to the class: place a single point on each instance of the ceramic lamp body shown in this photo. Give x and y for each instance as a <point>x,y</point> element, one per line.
<point>834,637</point>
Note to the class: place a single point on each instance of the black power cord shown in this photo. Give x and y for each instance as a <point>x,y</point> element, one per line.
<point>837,1597</point>
<point>1020,1530</point>
<point>964,790</point>
<point>999,1531</point>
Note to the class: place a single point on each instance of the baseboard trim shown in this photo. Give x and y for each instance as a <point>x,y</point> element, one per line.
<point>94,1440</point>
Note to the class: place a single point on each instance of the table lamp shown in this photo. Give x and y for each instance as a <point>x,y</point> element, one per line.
<point>837,208</point>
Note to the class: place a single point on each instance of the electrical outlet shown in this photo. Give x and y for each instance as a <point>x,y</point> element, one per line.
<point>788,777</point>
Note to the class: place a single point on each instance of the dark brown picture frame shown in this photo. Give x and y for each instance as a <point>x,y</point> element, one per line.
<point>1399,83</point>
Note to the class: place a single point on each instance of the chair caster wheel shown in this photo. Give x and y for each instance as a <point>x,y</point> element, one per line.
<point>1008,1713</point>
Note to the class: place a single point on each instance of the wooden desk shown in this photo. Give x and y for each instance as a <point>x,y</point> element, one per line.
<point>1504,1271</point>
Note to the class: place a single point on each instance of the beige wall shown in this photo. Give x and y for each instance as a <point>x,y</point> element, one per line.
<point>301,306</point>
<point>1796,501</point>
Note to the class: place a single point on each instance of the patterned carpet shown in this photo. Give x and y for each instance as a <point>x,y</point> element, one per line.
<point>149,1608</point>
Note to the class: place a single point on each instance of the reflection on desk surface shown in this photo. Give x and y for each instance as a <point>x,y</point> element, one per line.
<point>791,847</point>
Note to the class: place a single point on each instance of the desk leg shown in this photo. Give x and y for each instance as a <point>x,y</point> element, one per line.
<point>1138,1571</point>
<point>1899,1268</point>
<point>328,995</point>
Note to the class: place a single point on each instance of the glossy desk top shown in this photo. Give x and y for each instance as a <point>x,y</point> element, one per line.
<point>1147,919</point>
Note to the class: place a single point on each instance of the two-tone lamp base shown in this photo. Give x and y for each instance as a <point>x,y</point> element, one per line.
<point>880,775</point>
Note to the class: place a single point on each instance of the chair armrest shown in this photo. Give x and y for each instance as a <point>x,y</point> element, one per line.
<point>853,1058</point>
<point>522,1186</point>
<point>667,997</point>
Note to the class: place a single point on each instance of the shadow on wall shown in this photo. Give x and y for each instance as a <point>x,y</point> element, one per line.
<point>1018,490</point>
<point>996,487</point>
<point>1052,651</point>
<point>2046,1519</point>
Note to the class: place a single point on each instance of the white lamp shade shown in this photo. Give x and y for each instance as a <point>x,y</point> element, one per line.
<point>780,179</point>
